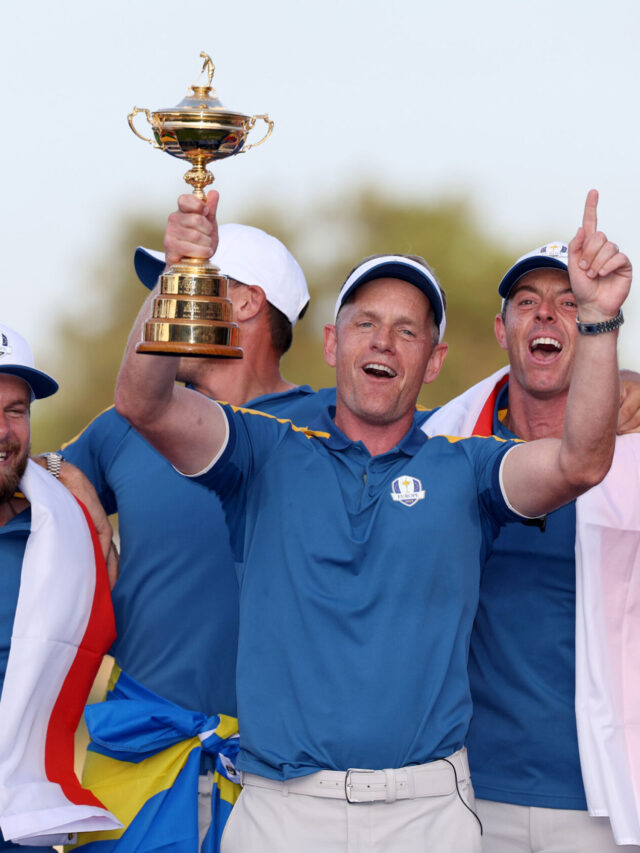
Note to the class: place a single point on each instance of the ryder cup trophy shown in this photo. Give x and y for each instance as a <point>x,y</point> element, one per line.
<point>193,314</point>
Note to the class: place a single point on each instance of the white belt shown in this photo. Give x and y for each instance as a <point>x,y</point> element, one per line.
<point>437,778</point>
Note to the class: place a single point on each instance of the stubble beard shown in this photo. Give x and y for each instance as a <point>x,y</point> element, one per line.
<point>10,479</point>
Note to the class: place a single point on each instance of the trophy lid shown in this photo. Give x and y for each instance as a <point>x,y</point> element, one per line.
<point>200,129</point>
<point>202,101</point>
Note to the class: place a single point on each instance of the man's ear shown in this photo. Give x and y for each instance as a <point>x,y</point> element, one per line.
<point>500,331</point>
<point>248,301</point>
<point>436,360</point>
<point>330,344</point>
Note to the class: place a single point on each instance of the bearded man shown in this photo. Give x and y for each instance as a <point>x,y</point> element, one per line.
<point>56,622</point>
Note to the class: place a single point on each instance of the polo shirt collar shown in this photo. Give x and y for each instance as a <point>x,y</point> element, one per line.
<point>324,423</point>
<point>281,396</point>
<point>502,402</point>
<point>409,444</point>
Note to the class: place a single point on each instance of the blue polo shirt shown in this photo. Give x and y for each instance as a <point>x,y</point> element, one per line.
<point>523,745</point>
<point>176,600</point>
<point>13,541</point>
<point>359,584</point>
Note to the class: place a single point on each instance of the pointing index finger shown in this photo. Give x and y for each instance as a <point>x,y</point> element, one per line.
<point>590,217</point>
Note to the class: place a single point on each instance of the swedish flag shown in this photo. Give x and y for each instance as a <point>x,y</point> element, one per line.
<point>143,763</point>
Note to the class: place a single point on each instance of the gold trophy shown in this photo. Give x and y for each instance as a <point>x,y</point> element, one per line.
<point>193,314</point>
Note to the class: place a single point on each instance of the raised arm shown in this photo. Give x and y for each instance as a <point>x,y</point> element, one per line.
<point>542,475</point>
<point>186,427</point>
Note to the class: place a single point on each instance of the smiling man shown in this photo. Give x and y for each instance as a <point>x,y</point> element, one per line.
<point>353,634</point>
<point>14,454</point>
<point>523,739</point>
<point>382,366</point>
<point>537,328</point>
<point>56,622</point>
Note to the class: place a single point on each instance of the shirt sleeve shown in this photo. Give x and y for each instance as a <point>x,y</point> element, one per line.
<point>94,448</point>
<point>252,437</point>
<point>487,455</point>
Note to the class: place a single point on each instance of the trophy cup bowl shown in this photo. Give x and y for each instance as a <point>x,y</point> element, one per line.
<point>193,314</point>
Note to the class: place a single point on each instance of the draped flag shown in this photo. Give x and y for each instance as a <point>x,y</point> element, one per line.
<point>144,765</point>
<point>607,611</point>
<point>63,625</point>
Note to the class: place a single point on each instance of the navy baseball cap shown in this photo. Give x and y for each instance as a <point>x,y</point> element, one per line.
<point>16,359</point>
<point>404,268</point>
<point>551,255</point>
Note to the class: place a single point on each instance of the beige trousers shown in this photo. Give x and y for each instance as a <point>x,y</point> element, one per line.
<point>277,820</point>
<point>205,793</point>
<point>524,829</point>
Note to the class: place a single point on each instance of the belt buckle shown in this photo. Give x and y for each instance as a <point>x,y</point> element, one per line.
<point>348,785</point>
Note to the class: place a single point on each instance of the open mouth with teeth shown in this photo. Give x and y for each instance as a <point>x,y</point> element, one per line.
<point>545,348</point>
<point>9,449</point>
<point>382,371</point>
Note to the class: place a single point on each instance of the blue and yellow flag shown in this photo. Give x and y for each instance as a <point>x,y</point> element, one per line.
<point>143,763</point>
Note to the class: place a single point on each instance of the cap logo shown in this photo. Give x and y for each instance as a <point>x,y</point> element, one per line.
<point>407,490</point>
<point>555,250</point>
<point>5,347</point>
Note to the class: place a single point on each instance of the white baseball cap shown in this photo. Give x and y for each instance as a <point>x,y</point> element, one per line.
<point>551,255</point>
<point>16,359</point>
<point>250,256</point>
<point>406,269</point>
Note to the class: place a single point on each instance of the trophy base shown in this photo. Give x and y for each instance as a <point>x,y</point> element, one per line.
<point>195,350</point>
<point>192,315</point>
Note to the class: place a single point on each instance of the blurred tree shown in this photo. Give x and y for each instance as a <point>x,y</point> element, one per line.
<point>327,240</point>
<point>92,339</point>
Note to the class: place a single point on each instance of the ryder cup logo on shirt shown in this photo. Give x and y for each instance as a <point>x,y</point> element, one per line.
<point>5,349</point>
<point>407,490</point>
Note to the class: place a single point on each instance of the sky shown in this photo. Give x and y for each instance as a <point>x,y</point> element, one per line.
<point>521,107</point>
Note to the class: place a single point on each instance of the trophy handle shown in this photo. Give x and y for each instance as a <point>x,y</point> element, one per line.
<point>250,125</point>
<point>130,118</point>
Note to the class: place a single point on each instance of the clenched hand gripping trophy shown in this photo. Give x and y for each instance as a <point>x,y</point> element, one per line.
<point>193,314</point>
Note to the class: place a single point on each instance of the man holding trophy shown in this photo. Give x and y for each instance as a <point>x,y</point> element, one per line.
<point>359,543</point>
<point>176,600</point>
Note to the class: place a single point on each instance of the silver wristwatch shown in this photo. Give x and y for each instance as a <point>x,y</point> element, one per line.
<point>54,463</point>
<point>598,328</point>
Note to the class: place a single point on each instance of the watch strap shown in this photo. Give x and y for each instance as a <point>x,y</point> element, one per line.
<point>54,463</point>
<point>604,326</point>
